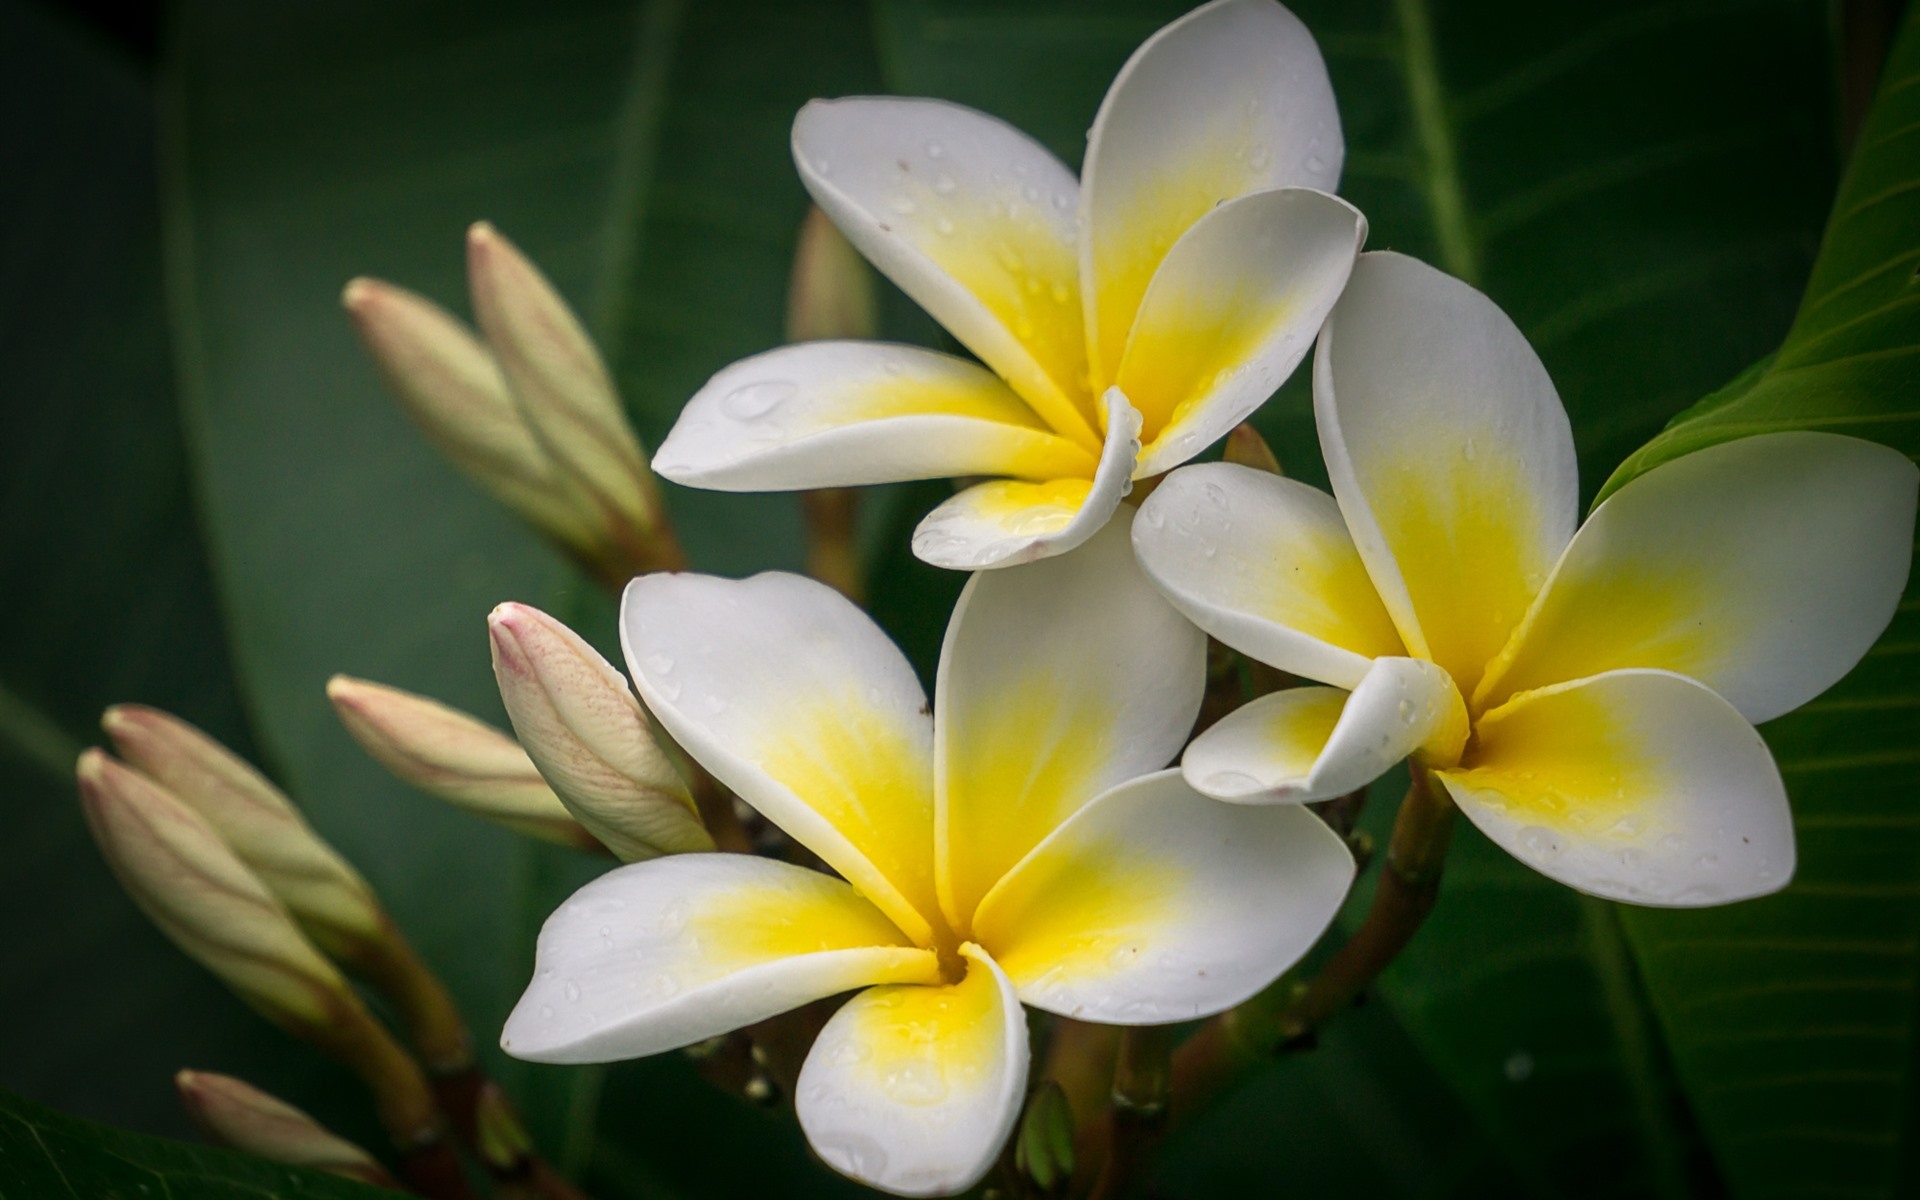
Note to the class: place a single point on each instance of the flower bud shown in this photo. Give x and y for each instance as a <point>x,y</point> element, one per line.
<point>452,387</point>
<point>184,877</point>
<point>566,396</point>
<point>831,293</point>
<point>256,820</point>
<point>238,1115</point>
<point>1044,1149</point>
<point>458,758</point>
<point>1247,448</point>
<point>582,726</point>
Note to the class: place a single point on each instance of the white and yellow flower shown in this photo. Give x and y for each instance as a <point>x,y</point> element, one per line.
<point>1587,698</point>
<point>1022,845</point>
<point>1125,321</point>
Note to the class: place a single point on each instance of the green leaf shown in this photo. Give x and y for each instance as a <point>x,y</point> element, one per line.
<point>1793,1018</point>
<point>47,1156</point>
<point>107,596</point>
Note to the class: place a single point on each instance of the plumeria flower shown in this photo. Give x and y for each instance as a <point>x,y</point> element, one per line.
<point>1125,321</point>
<point>1587,698</point>
<point>1021,845</point>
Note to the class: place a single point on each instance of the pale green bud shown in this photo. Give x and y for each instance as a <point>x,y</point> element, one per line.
<point>452,387</point>
<point>566,396</point>
<point>184,876</point>
<point>583,728</point>
<point>458,758</point>
<point>330,899</point>
<point>1043,1150</point>
<point>831,292</point>
<point>240,1116</point>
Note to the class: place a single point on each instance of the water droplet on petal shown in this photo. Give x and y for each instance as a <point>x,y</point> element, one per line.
<point>935,150</point>
<point>573,991</point>
<point>1539,841</point>
<point>756,400</point>
<point>944,184</point>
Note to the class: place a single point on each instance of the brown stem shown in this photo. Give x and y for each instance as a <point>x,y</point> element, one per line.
<point>716,810</point>
<point>832,550</point>
<point>433,1170</point>
<point>1137,1118</point>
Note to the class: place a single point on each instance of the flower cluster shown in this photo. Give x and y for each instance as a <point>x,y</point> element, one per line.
<point>1586,697</point>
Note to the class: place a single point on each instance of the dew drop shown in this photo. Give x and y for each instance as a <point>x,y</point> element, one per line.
<point>1260,157</point>
<point>1316,164</point>
<point>944,225</point>
<point>936,150</point>
<point>756,400</point>
<point>916,1083</point>
<point>546,1011</point>
<point>1062,201</point>
<point>944,184</point>
<point>1231,783</point>
<point>902,204</point>
<point>573,992</point>
<point>1539,842</point>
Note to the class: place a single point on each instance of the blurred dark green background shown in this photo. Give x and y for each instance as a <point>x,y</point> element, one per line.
<point>208,504</point>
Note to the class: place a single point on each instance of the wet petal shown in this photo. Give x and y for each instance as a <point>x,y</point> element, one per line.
<point>1303,745</point>
<point>797,701</point>
<point>1155,904</point>
<point>1642,786</point>
<point>666,953</point>
<point>1266,565</point>
<point>1007,522</point>
<point>974,220</point>
<point>1231,99</point>
<point>1231,313</point>
<point>914,1090</point>
<point>1450,454</point>
<point>834,414</point>
<point>1764,568</point>
<point>1057,681</point>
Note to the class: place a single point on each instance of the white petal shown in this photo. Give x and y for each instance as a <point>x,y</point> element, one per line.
<point>665,953</point>
<point>1642,786</point>
<point>835,414</point>
<point>1057,681</point>
<point>1155,904</point>
<point>797,701</point>
<point>1266,565</point>
<point>974,220</point>
<point>1006,522</point>
<point>1231,313</point>
<point>1232,98</point>
<point>1303,745</point>
<point>1764,568</point>
<point>1450,454</point>
<point>914,1090</point>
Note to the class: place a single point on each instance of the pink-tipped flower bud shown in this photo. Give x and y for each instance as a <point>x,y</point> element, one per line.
<point>582,726</point>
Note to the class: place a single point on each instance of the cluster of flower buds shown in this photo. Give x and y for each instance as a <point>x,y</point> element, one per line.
<point>587,770</point>
<point>530,413</point>
<point>224,865</point>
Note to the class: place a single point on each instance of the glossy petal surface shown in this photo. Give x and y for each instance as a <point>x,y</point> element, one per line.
<point>1641,786</point>
<point>662,954</point>
<point>797,701</point>
<point>1057,681</point>
<point>1156,904</point>
<point>914,1089</point>
<point>1266,565</point>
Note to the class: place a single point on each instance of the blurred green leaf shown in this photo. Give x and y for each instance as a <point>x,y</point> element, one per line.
<point>1793,1018</point>
<point>47,1156</point>
<point>107,596</point>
